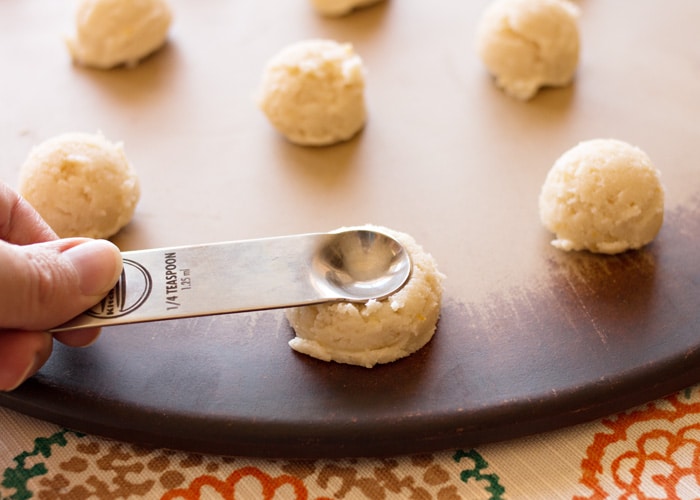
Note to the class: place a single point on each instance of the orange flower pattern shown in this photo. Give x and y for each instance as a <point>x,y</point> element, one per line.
<point>652,452</point>
<point>269,486</point>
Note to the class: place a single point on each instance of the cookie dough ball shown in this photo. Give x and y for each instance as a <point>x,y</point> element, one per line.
<point>313,92</point>
<point>81,184</point>
<point>110,33</point>
<point>375,331</point>
<point>604,196</point>
<point>528,44</point>
<point>337,8</point>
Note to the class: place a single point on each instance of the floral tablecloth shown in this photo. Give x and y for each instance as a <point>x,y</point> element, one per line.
<point>649,452</point>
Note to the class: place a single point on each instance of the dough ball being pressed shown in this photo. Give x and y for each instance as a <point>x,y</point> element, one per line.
<point>313,92</point>
<point>337,8</point>
<point>528,44</point>
<point>603,195</point>
<point>110,33</point>
<point>81,184</point>
<point>376,331</point>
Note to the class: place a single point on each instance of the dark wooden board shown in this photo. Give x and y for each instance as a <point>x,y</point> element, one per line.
<point>598,335</point>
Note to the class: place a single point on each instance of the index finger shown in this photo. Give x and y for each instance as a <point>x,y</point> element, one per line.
<point>20,224</point>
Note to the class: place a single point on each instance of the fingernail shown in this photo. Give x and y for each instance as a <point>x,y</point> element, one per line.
<point>98,264</point>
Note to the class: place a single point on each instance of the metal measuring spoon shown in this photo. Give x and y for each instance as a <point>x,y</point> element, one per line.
<point>353,265</point>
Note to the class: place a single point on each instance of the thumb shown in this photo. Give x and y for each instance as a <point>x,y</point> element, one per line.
<point>46,284</point>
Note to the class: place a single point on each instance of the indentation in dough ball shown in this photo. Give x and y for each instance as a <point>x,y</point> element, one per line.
<point>603,195</point>
<point>313,92</point>
<point>378,331</point>
<point>81,184</point>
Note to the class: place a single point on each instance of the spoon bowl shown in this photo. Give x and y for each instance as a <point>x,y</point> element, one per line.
<point>359,265</point>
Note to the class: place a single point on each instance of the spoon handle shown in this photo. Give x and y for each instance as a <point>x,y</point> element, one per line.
<point>219,278</point>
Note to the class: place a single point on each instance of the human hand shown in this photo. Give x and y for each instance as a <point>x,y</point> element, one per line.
<point>44,281</point>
